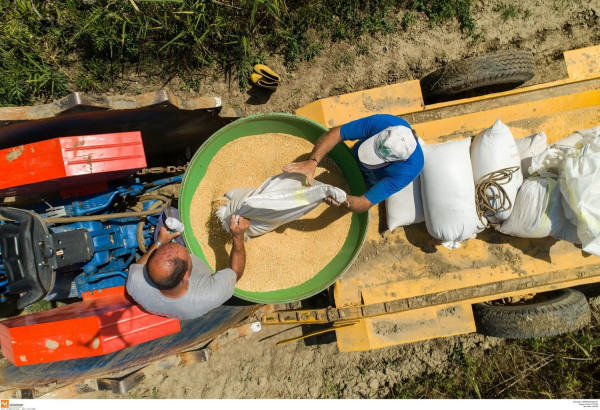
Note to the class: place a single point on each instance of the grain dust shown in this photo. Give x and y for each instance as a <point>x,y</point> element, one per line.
<point>294,252</point>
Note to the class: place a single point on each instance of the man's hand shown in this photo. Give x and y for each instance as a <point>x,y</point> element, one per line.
<point>164,236</point>
<point>239,228</point>
<point>330,201</point>
<point>356,204</point>
<point>237,258</point>
<point>305,167</point>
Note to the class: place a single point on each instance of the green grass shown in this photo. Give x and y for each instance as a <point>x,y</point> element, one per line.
<point>439,11</point>
<point>344,60</point>
<point>50,48</point>
<point>408,20</point>
<point>561,367</point>
<point>507,11</point>
<point>510,11</point>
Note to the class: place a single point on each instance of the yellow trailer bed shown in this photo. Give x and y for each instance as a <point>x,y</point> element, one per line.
<point>406,287</point>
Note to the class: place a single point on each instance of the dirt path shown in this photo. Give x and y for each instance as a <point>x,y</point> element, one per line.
<point>254,367</point>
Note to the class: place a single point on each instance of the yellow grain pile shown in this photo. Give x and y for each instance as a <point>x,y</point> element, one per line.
<point>294,252</point>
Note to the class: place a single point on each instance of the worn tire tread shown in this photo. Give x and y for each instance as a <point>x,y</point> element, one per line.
<point>567,311</point>
<point>478,75</point>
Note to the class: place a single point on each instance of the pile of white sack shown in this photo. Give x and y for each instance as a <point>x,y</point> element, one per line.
<point>552,190</point>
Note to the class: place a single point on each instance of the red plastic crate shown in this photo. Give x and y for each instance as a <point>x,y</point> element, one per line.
<point>67,162</point>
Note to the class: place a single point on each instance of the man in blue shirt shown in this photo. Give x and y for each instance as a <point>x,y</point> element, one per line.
<point>387,152</point>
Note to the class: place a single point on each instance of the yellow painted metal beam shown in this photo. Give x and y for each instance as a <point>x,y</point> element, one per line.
<point>558,117</point>
<point>464,278</point>
<point>396,99</point>
<point>427,323</point>
<point>407,327</point>
<point>583,63</point>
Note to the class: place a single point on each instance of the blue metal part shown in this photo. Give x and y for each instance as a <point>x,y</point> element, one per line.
<point>154,185</point>
<point>115,246</point>
<point>115,240</point>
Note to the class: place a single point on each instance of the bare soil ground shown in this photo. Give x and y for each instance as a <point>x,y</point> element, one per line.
<point>254,367</point>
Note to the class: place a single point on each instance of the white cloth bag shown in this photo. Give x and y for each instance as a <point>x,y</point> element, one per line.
<point>279,200</point>
<point>538,212</point>
<point>529,147</point>
<point>405,207</point>
<point>448,193</point>
<point>579,180</point>
<point>550,161</point>
<point>494,149</point>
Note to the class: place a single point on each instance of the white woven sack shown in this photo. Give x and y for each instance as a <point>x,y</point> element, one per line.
<point>405,207</point>
<point>279,200</point>
<point>528,147</point>
<point>579,180</point>
<point>592,133</point>
<point>448,193</point>
<point>569,141</point>
<point>538,211</point>
<point>550,162</point>
<point>494,149</point>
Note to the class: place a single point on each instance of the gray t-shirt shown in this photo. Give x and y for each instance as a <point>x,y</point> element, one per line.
<point>206,291</point>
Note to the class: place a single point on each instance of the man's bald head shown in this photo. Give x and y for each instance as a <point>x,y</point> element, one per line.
<point>168,265</point>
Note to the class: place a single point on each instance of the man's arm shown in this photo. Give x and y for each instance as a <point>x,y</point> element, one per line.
<point>324,144</point>
<point>356,204</point>
<point>163,237</point>
<point>237,258</point>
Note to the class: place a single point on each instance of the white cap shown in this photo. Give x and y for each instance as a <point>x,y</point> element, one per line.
<point>392,144</point>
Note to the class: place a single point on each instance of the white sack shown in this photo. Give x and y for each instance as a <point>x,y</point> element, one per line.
<point>448,193</point>
<point>569,141</point>
<point>538,212</point>
<point>550,161</point>
<point>405,207</point>
<point>591,133</point>
<point>569,232</point>
<point>574,139</point>
<point>579,180</point>
<point>494,149</point>
<point>279,200</point>
<point>529,147</point>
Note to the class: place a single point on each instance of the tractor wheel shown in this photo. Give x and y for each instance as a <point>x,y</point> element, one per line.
<point>548,314</point>
<point>480,75</point>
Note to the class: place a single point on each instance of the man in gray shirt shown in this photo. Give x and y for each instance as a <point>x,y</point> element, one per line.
<point>168,281</point>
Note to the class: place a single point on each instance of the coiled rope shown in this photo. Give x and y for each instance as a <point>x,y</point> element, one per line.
<point>489,189</point>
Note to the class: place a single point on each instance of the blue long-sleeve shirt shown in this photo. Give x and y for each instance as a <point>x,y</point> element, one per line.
<point>386,181</point>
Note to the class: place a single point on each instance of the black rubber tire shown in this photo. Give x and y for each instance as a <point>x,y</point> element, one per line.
<point>566,310</point>
<point>479,75</point>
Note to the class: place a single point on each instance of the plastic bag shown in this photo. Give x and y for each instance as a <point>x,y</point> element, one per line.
<point>529,147</point>
<point>405,207</point>
<point>279,200</point>
<point>538,212</point>
<point>579,179</point>
<point>448,193</point>
<point>550,162</point>
<point>494,149</point>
